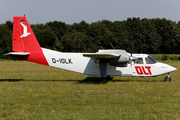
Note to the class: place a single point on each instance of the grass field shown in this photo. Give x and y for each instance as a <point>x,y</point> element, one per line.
<point>33,91</point>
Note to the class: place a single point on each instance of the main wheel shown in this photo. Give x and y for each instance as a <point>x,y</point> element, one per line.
<point>104,80</point>
<point>167,79</point>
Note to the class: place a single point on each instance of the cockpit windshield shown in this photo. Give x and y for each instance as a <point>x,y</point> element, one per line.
<point>150,60</point>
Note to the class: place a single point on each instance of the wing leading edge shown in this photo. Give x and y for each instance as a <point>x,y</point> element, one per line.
<point>95,55</point>
<point>105,54</point>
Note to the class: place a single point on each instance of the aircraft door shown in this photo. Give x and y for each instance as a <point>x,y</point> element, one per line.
<point>144,66</point>
<point>138,67</point>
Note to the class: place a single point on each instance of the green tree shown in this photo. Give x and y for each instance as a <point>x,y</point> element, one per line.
<point>75,42</point>
<point>168,31</point>
<point>59,28</point>
<point>5,40</point>
<point>46,37</point>
<point>120,38</point>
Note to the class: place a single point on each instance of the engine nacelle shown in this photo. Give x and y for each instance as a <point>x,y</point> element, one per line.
<point>120,61</point>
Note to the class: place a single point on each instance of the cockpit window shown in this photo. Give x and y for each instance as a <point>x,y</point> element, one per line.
<point>150,60</point>
<point>139,61</point>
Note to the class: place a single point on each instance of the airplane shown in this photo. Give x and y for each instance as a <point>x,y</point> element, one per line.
<point>104,63</point>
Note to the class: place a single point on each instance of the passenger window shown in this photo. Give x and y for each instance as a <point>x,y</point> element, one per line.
<point>139,61</point>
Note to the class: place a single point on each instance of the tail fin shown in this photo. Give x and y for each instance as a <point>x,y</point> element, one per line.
<point>24,41</point>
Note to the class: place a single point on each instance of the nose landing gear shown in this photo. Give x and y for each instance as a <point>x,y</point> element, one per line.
<point>167,79</point>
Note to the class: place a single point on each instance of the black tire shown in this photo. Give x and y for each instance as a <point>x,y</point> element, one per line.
<point>104,80</point>
<point>167,79</point>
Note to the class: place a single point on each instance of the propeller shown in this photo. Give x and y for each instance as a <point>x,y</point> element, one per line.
<point>132,50</point>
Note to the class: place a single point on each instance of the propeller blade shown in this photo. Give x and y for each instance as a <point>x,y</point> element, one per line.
<point>133,58</point>
<point>132,49</point>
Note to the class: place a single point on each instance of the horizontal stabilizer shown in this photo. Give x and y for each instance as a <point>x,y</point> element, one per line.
<point>17,53</point>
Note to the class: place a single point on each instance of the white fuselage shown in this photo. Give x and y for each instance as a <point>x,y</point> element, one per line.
<point>78,63</point>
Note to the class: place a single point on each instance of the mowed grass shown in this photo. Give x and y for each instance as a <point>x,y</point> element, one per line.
<point>33,91</point>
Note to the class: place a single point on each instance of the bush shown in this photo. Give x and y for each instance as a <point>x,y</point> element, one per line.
<point>164,57</point>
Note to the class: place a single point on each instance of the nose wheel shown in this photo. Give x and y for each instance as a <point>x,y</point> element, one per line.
<point>167,79</point>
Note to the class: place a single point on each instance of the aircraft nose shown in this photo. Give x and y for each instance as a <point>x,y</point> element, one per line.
<point>173,68</point>
<point>169,68</point>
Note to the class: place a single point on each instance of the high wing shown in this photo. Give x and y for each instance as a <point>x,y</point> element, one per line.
<point>105,54</point>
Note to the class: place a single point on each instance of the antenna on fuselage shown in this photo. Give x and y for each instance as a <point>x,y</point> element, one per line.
<point>102,47</point>
<point>112,46</point>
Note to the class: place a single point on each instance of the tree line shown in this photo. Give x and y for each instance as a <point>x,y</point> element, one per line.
<point>154,36</point>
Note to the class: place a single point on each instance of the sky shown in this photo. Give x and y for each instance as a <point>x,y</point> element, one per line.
<point>74,11</point>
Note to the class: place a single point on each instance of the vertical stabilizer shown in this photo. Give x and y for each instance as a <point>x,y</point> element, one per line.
<point>24,40</point>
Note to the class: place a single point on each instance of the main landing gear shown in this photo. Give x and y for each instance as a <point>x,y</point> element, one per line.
<point>106,79</point>
<point>167,79</point>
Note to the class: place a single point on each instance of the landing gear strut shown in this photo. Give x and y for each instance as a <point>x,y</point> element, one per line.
<point>167,79</point>
<point>103,71</point>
